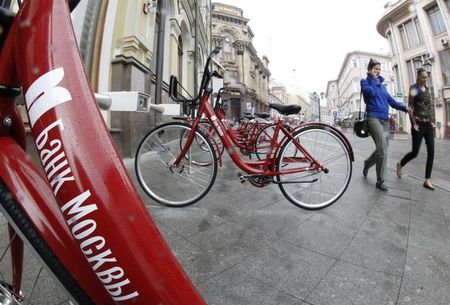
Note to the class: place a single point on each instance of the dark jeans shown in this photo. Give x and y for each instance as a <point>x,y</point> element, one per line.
<point>425,131</point>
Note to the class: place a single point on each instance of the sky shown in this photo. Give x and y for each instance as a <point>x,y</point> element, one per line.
<point>306,41</point>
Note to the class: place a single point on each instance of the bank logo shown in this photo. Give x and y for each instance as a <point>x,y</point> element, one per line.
<point>44,94</point>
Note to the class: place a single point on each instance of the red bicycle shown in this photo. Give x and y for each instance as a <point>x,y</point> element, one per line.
<point>81,216</point>
<point>176,163</point>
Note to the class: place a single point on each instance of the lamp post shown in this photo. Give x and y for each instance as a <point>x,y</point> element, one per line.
<point>318,98</point>
<point>427,67</point>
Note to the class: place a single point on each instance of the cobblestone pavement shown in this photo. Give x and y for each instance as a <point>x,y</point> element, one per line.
<point>245,245</point>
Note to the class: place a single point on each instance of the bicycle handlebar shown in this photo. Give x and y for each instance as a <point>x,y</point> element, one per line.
<point>207,75</point>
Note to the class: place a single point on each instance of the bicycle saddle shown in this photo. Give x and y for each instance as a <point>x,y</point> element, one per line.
<point>249,116</point>
<point>286,109</point>
<point>6,19</point>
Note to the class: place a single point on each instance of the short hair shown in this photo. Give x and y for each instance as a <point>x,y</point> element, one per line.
<point>372,63</point>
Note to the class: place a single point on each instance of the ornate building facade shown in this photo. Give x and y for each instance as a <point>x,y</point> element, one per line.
<point>418,35</point>
<point>136,45</point>
<point>247,75</point>
<point>343,94</point>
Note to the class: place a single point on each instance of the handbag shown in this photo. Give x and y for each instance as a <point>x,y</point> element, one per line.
<point>360,126</point>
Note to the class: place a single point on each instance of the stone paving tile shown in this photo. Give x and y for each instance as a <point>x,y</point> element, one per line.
<point>275,220</point>
<point>358,189</point>
<point>238,199</point>
<point>231,243</point>
<point>427,277</point>
<point>185,221</point>
<point>393,210</point>
<point>380,246</point>
<point>200,264</point>
<point>235,286</point>
<point>291,269</point>
<point>340,216</point>
<point>429,226</point>
<point>379,228</point>
<point>326,239</point>
<point>347,284</point>
<point>284,299</point>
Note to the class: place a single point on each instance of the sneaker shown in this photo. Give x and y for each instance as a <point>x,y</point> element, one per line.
<point>365,172</point>
<point>381,186</point>
<point>399,170</point>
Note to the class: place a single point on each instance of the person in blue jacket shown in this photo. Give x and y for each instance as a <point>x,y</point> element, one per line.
<point>377,101</point>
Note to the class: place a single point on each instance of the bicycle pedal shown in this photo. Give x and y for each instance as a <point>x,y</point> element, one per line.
<point>242,178</point>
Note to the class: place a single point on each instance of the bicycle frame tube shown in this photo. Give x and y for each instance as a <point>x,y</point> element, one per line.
<point>30,189</point>
<point>231,134</point>
<point>258,167</point>
<point>99,204</point>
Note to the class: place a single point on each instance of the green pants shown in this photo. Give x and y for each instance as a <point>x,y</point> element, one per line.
<point>379,131</point>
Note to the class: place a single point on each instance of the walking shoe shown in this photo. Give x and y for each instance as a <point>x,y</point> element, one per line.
<point>365,172</point>
<point>428,185</point>
<point>399,170</point>
<point>381,186</point>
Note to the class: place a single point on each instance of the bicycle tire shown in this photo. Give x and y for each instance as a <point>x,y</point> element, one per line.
<point>208,129</point>
<point>184,184</point>
<point>33,239</point>
<point>325,186</point>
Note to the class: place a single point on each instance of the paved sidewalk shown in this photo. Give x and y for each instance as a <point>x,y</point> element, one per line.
<point>250,246</point>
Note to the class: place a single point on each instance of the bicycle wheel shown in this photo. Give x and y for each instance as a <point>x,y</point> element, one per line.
<point>314,189</point>
<point>37,285</point>
<point>209,130</point>
<point>179,185</point>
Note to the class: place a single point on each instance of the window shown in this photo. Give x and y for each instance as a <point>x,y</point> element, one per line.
<point>436,20</point>
<point>411,34</point>
<point>447,4</point>
<point>390,40</point>
<point>355,63</point>
<point>411,72</point>
<point>365,63</point>
<point>397,79</point>
<point>444,56</point>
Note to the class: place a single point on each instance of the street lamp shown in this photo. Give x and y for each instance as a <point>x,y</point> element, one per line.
<point>318,98</point>
<point>417,63</point>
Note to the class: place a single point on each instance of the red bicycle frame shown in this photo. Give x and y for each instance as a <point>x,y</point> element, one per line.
<point>86,208</point>
<point>262,167</point>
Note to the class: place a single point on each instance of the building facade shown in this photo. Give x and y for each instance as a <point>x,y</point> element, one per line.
<point>136,45</point>
<point>418,35</point>
<point>344,93</point>
<point>247,75</point>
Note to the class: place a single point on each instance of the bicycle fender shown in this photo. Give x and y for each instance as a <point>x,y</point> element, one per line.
<point>27,185</point>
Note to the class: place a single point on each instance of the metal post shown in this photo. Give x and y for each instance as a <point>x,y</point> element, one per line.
<point>160,51</point>
<point>319,108</point>
<point>196,89</point>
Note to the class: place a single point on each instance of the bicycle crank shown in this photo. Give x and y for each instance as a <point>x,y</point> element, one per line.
<point>256,180</point>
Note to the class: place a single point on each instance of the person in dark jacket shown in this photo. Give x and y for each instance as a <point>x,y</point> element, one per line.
<point>377,101</point>
<point>422,119</point>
